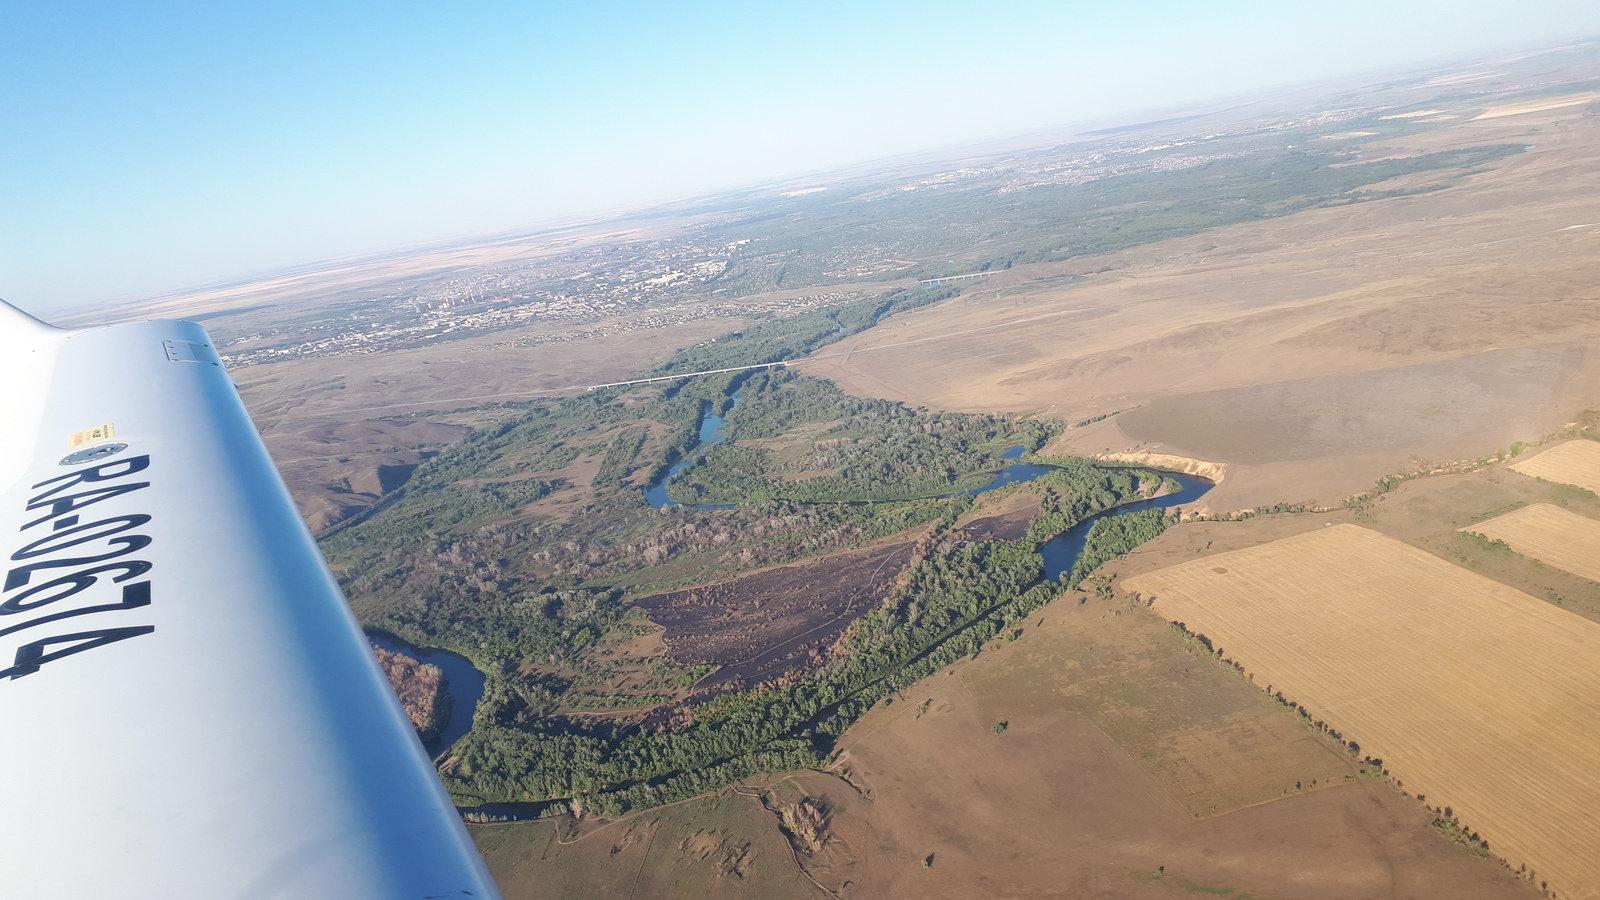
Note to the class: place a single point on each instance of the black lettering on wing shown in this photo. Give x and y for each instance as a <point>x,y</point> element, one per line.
<point>60,502</point>
<point>63,505</point>
<point>82,534</point>
<point>20,575</point>
<point>102,472</point>
<point>32,655</point>
<point>65,586</point>
<point>133,596</point>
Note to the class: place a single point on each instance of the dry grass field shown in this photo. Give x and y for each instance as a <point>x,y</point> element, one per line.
<point>1475,695</point>
<point>1549,534</point>
<point>719,847</point>
<point>470,372</point>
<point>1312,354</point>
<point>1211,743</point>
<point>1126,752</point>
<point>1575,462</point>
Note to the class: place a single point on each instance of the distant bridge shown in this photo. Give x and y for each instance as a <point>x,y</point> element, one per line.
<point>933,281</point>
<point>785,364</point>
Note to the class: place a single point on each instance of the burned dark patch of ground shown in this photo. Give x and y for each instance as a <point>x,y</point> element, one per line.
<point>777,622</point>
<point>1011,526</point>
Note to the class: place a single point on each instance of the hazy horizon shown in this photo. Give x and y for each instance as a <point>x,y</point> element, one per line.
<point>171,151</point>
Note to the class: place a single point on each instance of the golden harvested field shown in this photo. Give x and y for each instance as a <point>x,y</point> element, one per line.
<point>1517,109</point>
<point>1550,534</point>
<point>1126,751</point>
<point>1474,694</point>
<point>1575,462</point>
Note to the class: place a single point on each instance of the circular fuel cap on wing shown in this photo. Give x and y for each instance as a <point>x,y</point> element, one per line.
<point>90,454</point>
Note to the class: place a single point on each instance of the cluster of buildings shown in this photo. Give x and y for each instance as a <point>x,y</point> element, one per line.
<point>583,294</point>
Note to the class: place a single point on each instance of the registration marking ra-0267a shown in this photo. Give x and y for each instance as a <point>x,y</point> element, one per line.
<point>70,557</point>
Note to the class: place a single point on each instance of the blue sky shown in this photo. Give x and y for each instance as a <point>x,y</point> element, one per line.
<point>150,146</point>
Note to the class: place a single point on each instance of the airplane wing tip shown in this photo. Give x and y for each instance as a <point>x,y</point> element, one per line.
<point>16,323</point>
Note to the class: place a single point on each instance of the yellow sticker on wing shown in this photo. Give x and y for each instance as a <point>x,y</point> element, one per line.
<point>91,435</point>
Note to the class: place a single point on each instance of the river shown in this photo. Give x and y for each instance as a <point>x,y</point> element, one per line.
<point>463,682</point>
<point>711,434</point>
<point>1012,474</point>
<point>1061,551</point>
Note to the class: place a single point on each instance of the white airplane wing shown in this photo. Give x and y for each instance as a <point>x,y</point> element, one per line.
<point>187,706</point>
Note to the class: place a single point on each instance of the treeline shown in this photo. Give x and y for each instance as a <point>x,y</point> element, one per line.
<point>549,435</point>
<point>793,337</point>
<point>950,607</point>
<point>490,595</point>
<point>1125,212</point>
<point>543,438</point>
<point>499,594</point>
<point>499,628</point>
<point>1243,180</point>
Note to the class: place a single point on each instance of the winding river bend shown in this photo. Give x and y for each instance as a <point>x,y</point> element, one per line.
<point>1061,551</point>
<point>1017,473</point>
<point>466,684</point>
<point>463,683</point>
<point>711,434</point>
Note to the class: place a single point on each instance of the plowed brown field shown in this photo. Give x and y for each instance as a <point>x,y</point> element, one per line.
<point>1550,534</point>
<point>1474,694</point>
<point>1575,462</point>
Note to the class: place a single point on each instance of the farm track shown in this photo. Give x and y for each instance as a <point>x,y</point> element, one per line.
<point>1474,694</point>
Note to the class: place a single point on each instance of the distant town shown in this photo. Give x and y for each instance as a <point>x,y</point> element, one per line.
<point>610,287</point>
